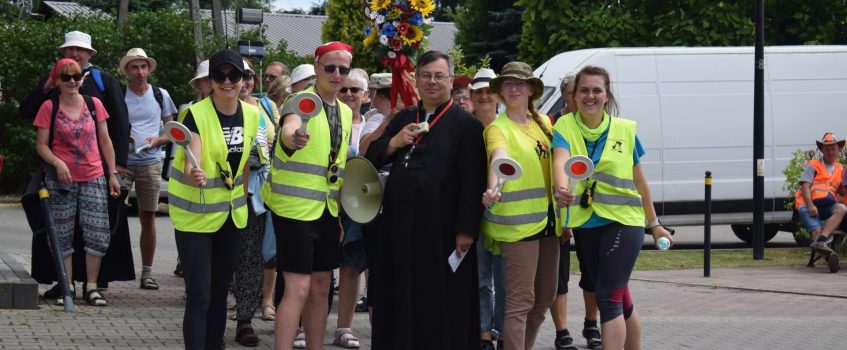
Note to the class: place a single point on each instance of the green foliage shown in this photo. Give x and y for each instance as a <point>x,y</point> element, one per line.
<point>551,27</point>
<point>463,69</point>
<point>346,22</point>
<point>18,147</point>
<point>792,173</point>
<point>488,28</point>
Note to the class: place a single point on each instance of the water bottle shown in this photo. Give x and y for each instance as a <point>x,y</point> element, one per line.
<point>663,243</point>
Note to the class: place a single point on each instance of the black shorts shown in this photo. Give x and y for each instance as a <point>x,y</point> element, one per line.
<point>585,281</point>
<point>307,246</point>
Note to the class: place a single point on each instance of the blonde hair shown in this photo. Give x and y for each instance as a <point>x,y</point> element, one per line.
<point>278,87</point>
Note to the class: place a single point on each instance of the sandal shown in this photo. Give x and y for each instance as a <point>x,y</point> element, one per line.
<point>94,298</point>
<point>149,283</point>
<point>564,342</point>
<point>268,313</point>
<point>246,336</point>
<point>344,338</point>
<point>592,336</point>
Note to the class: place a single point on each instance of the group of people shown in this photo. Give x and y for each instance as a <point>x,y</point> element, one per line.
<point>452,256</point>
<point>821,200</point>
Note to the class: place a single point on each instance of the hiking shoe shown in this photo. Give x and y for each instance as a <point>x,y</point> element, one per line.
<point>564,342</point>
<point>592,336</point>
<point>832,262</point>
<point>486,345</point>
<point>821,248</point>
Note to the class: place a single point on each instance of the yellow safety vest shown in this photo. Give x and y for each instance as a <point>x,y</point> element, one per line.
<point>615,196</point>
<point>298,187</point>
<point>522,209</point>
<point>189,210</point>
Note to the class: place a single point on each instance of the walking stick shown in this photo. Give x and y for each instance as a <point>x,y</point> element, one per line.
<point>61,274</point>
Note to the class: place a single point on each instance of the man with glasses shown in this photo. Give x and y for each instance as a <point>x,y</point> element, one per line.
<point>425,271</point>
<point>273,71</point>
<point>302,192</point>
<point>117,264</point>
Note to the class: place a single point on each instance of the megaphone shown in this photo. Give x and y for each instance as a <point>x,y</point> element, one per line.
<point>505,169</point>
<point>577,168</point>
<point>306,105</point>
<point>180,135</point>
<point>361,193</point>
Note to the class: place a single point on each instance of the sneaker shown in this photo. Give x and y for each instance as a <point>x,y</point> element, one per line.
<point>178,269</point>
<point>832,262</point>
<point>564,342</point>
<point>486,345</point>
<point>592,336</point>
<point>300,339</point>
<point>821,248</point>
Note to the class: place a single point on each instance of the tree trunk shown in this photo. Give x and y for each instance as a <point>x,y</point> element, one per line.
<point>218,20</point>
<point>194,9</point>
<point>123,8</point>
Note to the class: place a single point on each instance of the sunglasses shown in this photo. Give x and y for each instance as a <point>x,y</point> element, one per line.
<point>330,68</point>
<point>354,90</point>
<point>234,76</point>
<point>67,77</point>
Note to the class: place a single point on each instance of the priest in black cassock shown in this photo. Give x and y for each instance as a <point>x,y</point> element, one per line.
<point>431,209</point>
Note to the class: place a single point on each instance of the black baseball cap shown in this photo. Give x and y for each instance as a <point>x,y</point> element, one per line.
<point>226,56</point>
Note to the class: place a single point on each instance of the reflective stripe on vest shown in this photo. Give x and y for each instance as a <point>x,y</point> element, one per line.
<point>204,210</point>
<point>823,185</point>
<point>524,202</point>
<point>297,186</point>
<point>615,195</point>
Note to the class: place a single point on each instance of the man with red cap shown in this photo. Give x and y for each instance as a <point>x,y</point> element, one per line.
<point>816,200</point>
<point>302,193</point>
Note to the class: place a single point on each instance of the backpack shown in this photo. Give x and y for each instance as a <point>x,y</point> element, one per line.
<point>157,94</point>
<point>91,109</point>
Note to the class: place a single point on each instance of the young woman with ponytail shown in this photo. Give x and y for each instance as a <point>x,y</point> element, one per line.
<point>520,222</point>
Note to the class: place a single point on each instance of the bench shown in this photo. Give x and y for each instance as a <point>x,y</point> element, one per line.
<point>815,256</point>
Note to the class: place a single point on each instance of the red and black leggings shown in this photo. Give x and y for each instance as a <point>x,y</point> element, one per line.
<point>610,252</point>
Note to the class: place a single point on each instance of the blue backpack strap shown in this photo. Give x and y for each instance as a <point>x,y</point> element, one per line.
<point>98,79</point>
<point>266,104</point>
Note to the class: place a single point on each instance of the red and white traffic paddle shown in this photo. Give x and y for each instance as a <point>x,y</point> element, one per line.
<point>306,105</point>
<point>505,169</point>
<point>180,135</point>
<point>577,168</point>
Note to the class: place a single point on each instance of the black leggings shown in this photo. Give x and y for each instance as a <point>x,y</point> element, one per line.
<point>610,252</point>
<point>208,261</point>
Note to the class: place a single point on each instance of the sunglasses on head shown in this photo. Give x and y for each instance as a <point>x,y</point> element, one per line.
<point>67,77</point>
<point>330,68</point>
<point>234,76</point>
<point>354,90</point>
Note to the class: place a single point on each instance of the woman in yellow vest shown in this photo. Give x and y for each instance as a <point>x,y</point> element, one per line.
<point>520,220</point>
<point>208,204</point>
<point>608,209</point>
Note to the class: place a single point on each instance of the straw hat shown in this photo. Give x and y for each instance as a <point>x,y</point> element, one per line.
<point>482,78</point>
<point>78,39</point>
<point>137,53</point>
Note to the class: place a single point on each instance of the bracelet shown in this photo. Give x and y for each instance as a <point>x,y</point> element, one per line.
<point>113,172</point>
<point>654,223</point>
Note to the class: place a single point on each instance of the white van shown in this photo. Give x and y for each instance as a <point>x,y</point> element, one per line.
<point>694,108</point>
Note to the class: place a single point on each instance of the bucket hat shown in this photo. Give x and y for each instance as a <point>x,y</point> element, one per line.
<point>137,53</point>
<point>521,71</point>
<point>78,39</point>
<point>202,72</point>
<point>302,72</point>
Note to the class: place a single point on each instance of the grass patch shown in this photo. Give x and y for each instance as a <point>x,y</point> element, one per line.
<point>723,258</point>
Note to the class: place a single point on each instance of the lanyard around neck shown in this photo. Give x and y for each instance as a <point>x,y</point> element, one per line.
<point>434,120</point>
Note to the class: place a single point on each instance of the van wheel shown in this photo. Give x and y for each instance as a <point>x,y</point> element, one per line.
<point>745,232</point>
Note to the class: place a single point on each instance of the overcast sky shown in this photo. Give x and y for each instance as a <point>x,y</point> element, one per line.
<point>292,4</point>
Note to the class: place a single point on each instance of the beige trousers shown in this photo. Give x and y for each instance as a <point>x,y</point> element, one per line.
<point>531,276</point>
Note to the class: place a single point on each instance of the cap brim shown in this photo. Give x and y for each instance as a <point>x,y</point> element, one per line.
<point>127,59</point>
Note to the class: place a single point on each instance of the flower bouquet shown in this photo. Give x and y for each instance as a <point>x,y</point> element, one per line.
<point>397,32</point>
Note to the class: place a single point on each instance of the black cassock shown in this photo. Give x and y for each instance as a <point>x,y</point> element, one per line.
<point>418,302</point>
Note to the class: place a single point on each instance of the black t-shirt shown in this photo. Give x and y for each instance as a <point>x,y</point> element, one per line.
<point>233,130</point>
